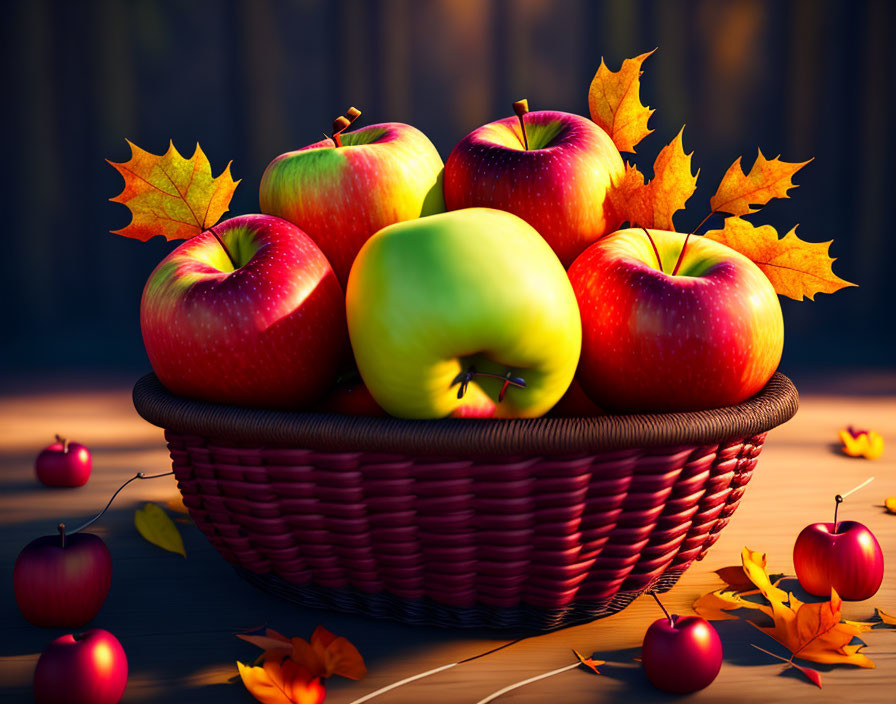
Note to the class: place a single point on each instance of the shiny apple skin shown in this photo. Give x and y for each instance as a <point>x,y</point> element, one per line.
<point>559,185</point>
<point>270,333</point>
<point>681,658</point>
<point>86,668</point>
<point>59,586</point>
<point>711,336</point>
<point>849,560</point>
<point>63,466</point>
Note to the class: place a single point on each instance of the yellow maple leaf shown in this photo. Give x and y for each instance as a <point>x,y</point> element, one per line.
<point>796,268</point>
<point>739,192</point>
<point>614,100</point>
<point>653,204</point>
<point>861,443</point>
<point>171,196</point>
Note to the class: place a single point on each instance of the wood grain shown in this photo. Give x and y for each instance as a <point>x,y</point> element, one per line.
<point>176,618</point>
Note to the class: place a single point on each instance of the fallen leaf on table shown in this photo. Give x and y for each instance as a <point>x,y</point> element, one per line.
<point>796,268</point>
<point>282,682</point>
<point>171,196</point>
<point>293,668</point>
<point>156,527</point>
<point>861,443</point>
<point>891,504</point>
<point>812,631</point>
<point>590,663</point>
<point>739,192</point>
<point>614,100</point>
<point>653,204</point>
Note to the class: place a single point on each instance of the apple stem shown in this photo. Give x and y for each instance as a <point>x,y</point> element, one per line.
<point>684,246</point>
<point>64,442</point>
<point>521,107</point>
<point>138,475</point>
<point>224,247</point>
<point>342,123</point>
<point>838,499</point>
<point>671,622</point>
<point>61,529</point>
<point>464,378</point>
<point>659,261</point>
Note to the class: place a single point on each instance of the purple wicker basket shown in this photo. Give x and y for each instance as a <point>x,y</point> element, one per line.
<point>522,524</point>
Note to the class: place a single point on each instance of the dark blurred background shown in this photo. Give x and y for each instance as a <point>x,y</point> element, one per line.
<point>250,79</point>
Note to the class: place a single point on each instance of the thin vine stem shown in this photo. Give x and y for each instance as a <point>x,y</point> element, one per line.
<point>138,475</point>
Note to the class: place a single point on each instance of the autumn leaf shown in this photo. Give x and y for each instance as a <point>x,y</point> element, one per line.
<point>739,192</point>
<point>589,663</point>
<point>890,504</point>
<point>324,656</point>
<point>614,100</point>
<point>273,643</point>
<point>861,443</point>
<point>653,204</point>
<point>282,682</point>
<point>795,268</point>
<point>171,196</point>
<point>156,527</point>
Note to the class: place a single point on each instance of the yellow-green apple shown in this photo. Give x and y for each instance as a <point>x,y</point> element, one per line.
<point>709,336</point>
<point>558,184</point>
<point>467,308</point>
<point>340,195</point>
<point>260,323</point>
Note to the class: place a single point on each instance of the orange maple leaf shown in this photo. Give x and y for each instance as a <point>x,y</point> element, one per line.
<point>796,268</point>
<point>590,663</point>
<point>326,655</point>
<point>171,196</point>
<point>282,681</point>
<point>614,100</point>
<point>653,204</point>
<point>739,192</point>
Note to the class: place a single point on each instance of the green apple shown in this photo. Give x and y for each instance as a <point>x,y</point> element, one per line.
<point>473,300</point>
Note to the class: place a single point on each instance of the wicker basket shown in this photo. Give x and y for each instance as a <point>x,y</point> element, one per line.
<point>523,524</point>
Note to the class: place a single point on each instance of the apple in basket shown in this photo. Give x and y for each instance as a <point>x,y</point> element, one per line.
<point>710,335</point>
<point>553,169</point>
<point>344,188</point>
<point>462,307</point>
<point>266,329</point>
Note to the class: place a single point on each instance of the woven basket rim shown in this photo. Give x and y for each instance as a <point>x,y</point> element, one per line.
<point>775,404</point>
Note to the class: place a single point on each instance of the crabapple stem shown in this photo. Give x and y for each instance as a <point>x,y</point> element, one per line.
<point>657,599</point>
<point>138,475</point>
<point>659,262</point>
<point>684,246</point>
<point>521,107</point>
<point>61,529</point>
<point>838,499</point>
<point>342,123</point>
<point>63,442</point>
<point>224,247</point>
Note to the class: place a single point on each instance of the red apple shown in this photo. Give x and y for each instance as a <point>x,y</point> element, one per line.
<point>62,580</point>
<point>575,404</point>
<point>340,191</point>
<point>350,399</point>
<point>84,668</point>
<point>269,331</point>
<point>709,336</point>
<point>63,463</point>
<point>844,556</point>
<point>681,654</point>
<point>557,180</point>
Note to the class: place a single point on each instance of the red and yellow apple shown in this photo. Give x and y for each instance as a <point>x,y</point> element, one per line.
<point>340,196</point>
<point>709,336</point>
<point>558,184</point>
<point>266,329</point>
<point>467,308</point>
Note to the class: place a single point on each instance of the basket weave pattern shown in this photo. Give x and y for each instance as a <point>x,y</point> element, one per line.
<point>487,537</point>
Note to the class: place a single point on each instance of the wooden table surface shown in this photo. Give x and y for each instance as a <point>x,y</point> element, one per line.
<point>177,617</point>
